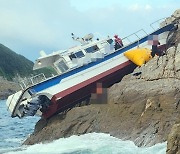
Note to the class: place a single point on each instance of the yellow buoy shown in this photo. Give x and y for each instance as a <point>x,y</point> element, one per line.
<point>139,56</point>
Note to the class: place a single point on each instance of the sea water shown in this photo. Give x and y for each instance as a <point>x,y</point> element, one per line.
<point>14,131</point>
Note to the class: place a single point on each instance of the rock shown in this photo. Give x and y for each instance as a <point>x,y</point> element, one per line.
<point>153,104</point>
<point>173,145</point>
<point>174,17</point>
<point>176,14</point>
<point>79,120</point>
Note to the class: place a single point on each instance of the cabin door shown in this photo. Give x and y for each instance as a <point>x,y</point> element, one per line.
<point>61,66</point>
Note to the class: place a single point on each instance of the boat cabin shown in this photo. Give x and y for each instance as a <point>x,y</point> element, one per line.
<point>66,60</point>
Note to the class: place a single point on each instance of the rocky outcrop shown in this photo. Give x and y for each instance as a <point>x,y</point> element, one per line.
<point>7,88</point>
<point>173,146</point>
<point>142,107</point>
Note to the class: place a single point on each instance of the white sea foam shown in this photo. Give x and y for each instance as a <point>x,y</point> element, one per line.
<point>93,143</point>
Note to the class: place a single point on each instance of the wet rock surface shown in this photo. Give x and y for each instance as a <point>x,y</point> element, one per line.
<point>173,146</point>
<point>143,107</point>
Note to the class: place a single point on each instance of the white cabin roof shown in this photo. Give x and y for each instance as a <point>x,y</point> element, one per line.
<point>51,59</point>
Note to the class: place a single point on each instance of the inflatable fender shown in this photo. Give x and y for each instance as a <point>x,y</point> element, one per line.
<point>139,56</point>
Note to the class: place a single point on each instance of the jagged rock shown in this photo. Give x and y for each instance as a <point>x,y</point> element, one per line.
<point>173,146</point>
<point>174,18</point>
<point>155,107</point>
<point>176,14</point>
<point>79,120</point>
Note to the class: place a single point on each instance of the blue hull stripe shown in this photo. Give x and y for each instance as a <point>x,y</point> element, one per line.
<point>56,80</point>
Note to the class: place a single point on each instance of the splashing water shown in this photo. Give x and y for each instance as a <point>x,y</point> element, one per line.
<point>14,131</point>
<point>93,143</point>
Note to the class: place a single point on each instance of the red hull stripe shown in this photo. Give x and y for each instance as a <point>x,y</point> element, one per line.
<point>87,82</point>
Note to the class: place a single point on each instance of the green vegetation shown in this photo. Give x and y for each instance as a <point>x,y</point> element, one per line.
<point>12,64</point>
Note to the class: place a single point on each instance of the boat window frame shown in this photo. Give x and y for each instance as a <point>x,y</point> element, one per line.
<point>109,42</point>
<point>82,54</point>
<point>92,51</point>
<point>58,68</point>
<point>74,55</point>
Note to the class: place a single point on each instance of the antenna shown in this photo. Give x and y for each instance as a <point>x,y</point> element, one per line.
<point>83,40</point>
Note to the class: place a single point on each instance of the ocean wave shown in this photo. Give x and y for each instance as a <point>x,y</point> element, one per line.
<point>92,143</point>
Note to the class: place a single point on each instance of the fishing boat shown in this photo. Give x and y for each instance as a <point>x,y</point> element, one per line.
<point>80,70</point>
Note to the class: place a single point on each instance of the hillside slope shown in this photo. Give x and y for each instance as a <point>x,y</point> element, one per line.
<point>12,64</point>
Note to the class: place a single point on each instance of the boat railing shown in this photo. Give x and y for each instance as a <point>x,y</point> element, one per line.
<point>156,24</point>
<point>136,36</point>
<point>27,82</point>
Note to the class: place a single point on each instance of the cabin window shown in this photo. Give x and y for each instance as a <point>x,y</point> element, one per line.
<point>92,49</point>
<point>62,66</point>
<point>72,56</point>
<point>78,54</point>
<point>110,41</point>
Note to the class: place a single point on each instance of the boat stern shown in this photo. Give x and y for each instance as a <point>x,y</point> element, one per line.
<point>12,102</point>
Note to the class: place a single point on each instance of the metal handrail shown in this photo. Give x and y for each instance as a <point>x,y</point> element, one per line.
<point>135,34</point>
<point>32,80</point>
<point>157,21</point>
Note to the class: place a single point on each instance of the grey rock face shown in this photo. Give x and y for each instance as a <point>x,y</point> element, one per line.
<point>173,146</point>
